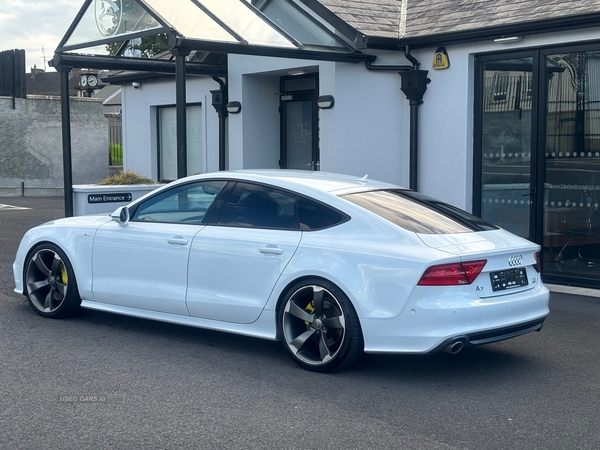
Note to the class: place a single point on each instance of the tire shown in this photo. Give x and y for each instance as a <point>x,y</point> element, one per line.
<point>319,326</point>
<point>50,285</point>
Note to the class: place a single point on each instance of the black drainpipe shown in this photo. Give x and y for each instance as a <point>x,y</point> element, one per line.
<point>219,102</point>
<point>413,85</point>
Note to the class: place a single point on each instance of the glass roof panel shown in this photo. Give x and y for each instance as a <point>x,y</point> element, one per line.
<point>246,23</point>
<point>284,28</point>
<point>189,20</point>
<point>296,23</point>
<point>108,19</point>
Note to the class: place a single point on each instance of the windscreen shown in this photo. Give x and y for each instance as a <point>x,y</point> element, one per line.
<point>417,212</point>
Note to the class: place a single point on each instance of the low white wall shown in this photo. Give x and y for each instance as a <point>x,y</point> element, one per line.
<point>94,199</point>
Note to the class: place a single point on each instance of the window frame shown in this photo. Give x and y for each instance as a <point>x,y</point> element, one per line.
<point>158,111</point>
<point>219,204</point>
<point>174,190</point>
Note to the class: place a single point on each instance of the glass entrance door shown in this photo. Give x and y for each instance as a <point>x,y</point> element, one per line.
<point>537,154</point>
<point>572,169</point>
<point>299,137</point>
<point>506,153</point>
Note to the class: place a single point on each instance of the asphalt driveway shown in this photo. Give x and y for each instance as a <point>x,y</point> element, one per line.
<point>104,381</point>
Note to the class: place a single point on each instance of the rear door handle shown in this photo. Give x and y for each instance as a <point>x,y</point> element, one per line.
<point>177,240</point>
<point>271,250</point>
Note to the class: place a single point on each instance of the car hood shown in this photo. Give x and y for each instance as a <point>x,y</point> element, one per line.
<point>79,221</point>
<point>476,242</point>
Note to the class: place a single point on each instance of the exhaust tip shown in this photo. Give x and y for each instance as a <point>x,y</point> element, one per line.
<point>454,347</point>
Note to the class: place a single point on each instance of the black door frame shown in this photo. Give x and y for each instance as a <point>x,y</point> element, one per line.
<point>299,95</point>
<point>539,130</point>
<point>536,169</point>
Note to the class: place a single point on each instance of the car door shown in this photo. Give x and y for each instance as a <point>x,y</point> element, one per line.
<point>235,263</point>
<point>144,264</point>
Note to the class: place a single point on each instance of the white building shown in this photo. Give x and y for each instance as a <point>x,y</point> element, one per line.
<point>509,130</point>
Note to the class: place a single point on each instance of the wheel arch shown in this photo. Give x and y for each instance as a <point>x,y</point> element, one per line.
<point>289,287</point>
<point>48,242</point>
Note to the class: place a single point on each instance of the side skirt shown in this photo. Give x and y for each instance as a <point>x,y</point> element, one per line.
<point>264,327</point>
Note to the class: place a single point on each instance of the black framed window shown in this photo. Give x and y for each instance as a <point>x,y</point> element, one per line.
<point>167,141</point>
<point>537,153</point>
<point>185,203</point>
<point>260,206</point>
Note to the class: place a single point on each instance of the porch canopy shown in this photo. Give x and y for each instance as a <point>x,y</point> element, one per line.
<point>103,31</point>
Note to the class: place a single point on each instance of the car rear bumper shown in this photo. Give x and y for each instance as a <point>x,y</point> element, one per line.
<point>431,323</point>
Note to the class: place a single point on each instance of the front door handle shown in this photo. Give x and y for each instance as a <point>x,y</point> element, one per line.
<point>177,240</point>
<point>271,250</point>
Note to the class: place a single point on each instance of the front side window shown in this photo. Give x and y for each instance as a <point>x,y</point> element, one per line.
<point>417,212</point>
<point>186,203</point>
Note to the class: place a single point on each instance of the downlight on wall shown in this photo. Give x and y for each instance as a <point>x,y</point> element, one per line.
<point>325,101</point>
<point>234,107</point>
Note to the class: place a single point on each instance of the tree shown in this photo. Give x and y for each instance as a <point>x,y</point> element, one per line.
<point>145,47</point>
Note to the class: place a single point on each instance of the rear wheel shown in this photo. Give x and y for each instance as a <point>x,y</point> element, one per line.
<point>319,326</point>
<point>50,282</point>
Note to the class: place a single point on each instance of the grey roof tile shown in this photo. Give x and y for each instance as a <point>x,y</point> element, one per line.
<point>371,17</point>
<point>382,18</point>
<point>427,17</point>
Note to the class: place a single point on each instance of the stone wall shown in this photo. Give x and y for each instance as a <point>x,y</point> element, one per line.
<point>31,144</point>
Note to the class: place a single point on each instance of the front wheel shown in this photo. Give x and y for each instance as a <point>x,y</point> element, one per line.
<point>50,282</point>
<point>319,327</point>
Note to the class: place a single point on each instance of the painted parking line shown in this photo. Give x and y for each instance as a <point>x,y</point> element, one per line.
<point>14,208</point>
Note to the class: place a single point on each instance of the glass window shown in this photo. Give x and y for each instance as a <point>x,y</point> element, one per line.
<point>572,172</point>
<point>106,19</point>
<point>418,213</point>
<point>289,17</point>
<point>501,81</point>
<point>251,205</point>
<point>186,203</point>
<point>277,24</point>
<point>316,216</point>
<point>506,114</point>
<point>167,138</point>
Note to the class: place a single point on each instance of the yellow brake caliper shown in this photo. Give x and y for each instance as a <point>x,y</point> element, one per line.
<point>310,308</point>
<point>63,274</point>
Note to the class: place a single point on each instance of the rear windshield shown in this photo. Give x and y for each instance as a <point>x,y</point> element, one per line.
<point>417,212</point>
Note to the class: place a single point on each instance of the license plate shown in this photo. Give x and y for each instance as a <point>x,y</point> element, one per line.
<point>510,278</point>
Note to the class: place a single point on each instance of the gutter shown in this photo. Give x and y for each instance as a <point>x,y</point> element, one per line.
<point>414,84</point>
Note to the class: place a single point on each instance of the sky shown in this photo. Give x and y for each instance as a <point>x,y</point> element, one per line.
<point>33,24</point>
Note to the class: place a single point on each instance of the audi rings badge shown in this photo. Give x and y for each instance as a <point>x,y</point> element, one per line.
<point>515,260</point>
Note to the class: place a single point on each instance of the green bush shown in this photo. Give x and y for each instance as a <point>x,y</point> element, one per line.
<point>116,154</point>
<point>126,177</point>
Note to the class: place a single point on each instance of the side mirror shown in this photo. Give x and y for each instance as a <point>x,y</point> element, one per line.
<point>121,216</point>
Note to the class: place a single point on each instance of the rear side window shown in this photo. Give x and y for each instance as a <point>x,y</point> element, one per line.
<point>418,213</point>
<point>259,206</point>
<point>316,216</point>
<point>255,206</point>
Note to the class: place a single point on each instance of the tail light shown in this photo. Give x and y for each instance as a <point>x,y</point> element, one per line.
<point>538,263</point>
<point>454,274</point>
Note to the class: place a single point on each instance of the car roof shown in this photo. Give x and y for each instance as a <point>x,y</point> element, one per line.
<point>305,180</point>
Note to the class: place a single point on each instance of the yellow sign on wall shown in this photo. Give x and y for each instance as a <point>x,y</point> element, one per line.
<point>440,59</point>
